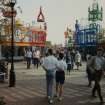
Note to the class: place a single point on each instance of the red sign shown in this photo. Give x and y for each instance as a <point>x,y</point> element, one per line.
<point>66,34</point>
<point>38,32</point>
<point>9,13</point>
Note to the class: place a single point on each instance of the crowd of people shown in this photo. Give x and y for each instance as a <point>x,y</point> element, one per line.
<point>55,66</point>
<point>56,63</point>
<point>70,56</point>
<point>32,57</point>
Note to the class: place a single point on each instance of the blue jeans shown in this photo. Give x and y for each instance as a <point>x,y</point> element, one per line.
<point>50,83</point>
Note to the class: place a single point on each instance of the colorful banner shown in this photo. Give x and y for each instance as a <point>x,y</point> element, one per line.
<point>29,38</point>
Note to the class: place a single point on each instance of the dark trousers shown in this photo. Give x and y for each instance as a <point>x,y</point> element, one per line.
<point>97,87</point>
<point>28,62</point>
<point>90,76</point>
<point>37,62</point>
<point>34,61</point>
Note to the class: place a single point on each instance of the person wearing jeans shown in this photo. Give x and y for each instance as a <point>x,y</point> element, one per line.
<point>49,83</point>
<point>50,64</point>
<point>28,58</point>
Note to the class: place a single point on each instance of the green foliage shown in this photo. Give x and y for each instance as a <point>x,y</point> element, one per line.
<point>2,101</point>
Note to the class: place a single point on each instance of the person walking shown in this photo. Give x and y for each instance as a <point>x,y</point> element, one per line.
<point>88,71</point>
<point>97,65</point>
<point>78,59</point>
<point>28,58</point>
<point>37,58</point>
<point>50,64</point>
<point>69,62</point>
<point>60,76</point>
<point>34,57</point>
<point>72,58</point>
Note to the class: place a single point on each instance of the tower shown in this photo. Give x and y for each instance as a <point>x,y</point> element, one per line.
<point>94,13</point>
<point>41,19</point>
<point>77,27</point>
<point>95,17</point>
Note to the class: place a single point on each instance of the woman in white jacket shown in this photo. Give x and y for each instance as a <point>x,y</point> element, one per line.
<point>78,59</point>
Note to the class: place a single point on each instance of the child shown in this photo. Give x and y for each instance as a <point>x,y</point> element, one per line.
<point>60,76</point>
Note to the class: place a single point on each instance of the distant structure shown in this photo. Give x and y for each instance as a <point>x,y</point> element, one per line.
<point>40,17</point>
<point>30,36</point>
<point>95,13</point>
<point>87,37</point>
<point>69,37</point>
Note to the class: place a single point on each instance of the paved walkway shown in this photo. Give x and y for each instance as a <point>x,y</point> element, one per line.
<point>30,88</point>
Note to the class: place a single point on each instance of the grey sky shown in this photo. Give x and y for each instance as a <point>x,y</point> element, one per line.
<point>58,14</point>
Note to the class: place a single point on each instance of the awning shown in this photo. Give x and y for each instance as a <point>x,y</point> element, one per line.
<point>8,43</point>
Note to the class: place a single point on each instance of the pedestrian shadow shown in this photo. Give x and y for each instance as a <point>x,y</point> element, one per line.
<point>4,85</point>
<point>92,103</point>
<point>89,101</point>
<point>32,101</point>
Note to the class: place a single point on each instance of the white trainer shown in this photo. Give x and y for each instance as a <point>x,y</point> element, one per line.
<point>60,98</point>
<point>50,101</point>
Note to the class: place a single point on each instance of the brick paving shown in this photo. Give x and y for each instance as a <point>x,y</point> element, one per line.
<point>30,89</point>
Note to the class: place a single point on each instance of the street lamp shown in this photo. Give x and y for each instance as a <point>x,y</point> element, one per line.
<point>12,77</point>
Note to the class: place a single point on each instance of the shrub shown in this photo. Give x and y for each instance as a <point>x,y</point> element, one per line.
<point>2,101</point>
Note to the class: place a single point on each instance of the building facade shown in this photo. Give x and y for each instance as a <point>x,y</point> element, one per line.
<point>87,37</point>
<point>30,36</point>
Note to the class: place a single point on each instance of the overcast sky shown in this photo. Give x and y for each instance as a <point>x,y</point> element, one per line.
<point>58,14</point>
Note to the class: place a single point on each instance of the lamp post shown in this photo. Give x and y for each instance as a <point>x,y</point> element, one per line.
<point>12,77</point>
